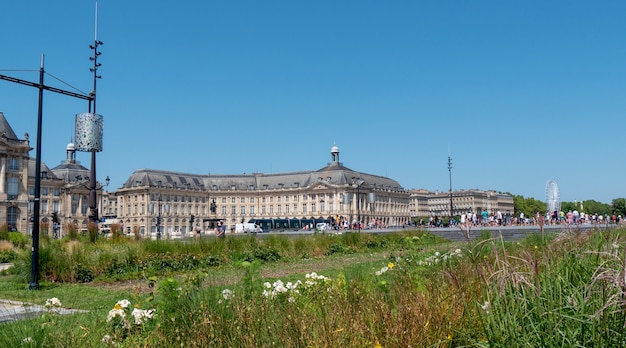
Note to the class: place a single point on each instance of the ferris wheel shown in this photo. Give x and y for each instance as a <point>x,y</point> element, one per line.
<point>553,200</point>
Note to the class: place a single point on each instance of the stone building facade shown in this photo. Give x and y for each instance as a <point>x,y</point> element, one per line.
<point>437,204</point>
<point>332,192</point>
<point>63,189</point>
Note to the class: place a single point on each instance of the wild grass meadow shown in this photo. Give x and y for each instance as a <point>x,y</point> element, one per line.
<point>405,289</point>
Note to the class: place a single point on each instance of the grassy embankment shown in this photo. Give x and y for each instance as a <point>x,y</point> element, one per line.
<point>356,290</point>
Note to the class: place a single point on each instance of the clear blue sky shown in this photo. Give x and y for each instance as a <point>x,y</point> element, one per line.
<point>516,92</point>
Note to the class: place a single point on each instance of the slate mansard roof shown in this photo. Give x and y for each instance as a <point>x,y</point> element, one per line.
<point>335,173</point>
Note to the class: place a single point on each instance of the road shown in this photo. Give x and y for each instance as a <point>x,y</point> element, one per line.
<point>509,233</point>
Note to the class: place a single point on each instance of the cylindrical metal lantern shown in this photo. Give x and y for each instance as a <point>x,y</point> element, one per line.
<point>371,197</point>
<point>88,131</point>
<point>346,198</point>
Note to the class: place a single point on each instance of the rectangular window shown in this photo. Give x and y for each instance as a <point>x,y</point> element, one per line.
<point>223,210</point>
<point>55,206</point>
<point>44,191</point>
<point>44,206</point>
<point>313,208</point>
<point>233,210</point>
<point>251,210</point>
<point>243,199</point>
<point>233,200</point>
<point>13,186</point>
<point>14,164</point>
<point>322,206</point>
<point>295,209</point>
<point>303,208</point>
<point>251,199</point>
<point>243,210</point>
<point>286,208</point>
<point>280,208</point>
<point>271,209</point>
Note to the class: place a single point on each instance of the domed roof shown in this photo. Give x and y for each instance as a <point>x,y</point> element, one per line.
<point>70,147</point>
<point>334,149</point>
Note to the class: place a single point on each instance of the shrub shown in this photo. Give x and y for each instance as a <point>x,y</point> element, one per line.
<point>18,239</point>
<point>7,256</point>
<point>337,248</point>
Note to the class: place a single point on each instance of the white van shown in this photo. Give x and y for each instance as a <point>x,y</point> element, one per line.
<point>248,227</point>
<point>321,226</point>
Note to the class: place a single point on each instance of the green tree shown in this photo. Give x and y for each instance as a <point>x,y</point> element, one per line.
<point>619,206</point>
<point>529,206</point>
<point>595,207</point>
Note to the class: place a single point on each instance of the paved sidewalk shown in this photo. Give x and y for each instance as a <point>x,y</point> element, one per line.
<point>15,310</point>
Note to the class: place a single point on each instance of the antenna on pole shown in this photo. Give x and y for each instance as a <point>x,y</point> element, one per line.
<point>94,58</point>
<point>91,124</point>
<point>450,174</point>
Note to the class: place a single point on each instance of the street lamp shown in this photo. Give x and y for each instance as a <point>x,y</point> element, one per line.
<point>450,174</point>
<point>358,182</point>
<point>158,225</point>
<point>159,208</point>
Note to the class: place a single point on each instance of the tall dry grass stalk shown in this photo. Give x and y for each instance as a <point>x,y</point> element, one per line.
<point>5,245</point>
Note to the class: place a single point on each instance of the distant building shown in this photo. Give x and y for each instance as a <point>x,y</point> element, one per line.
<point>63,189</point>
<point>430,204</point>
<point>332,192</point>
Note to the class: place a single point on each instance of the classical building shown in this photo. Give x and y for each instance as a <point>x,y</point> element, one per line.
<point>63,189</point>
<point>175,204</point>
<point>430,204</point>
<point>155,200</point>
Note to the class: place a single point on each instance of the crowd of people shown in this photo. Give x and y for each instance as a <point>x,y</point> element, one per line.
<point>499,219</point>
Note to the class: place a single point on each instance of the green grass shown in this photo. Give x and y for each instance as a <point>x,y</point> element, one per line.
<point>398,290</point>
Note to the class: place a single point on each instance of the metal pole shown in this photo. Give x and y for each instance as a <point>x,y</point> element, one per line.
<point>34,269</point>
<point>358,205</point>
<point>450,173</point>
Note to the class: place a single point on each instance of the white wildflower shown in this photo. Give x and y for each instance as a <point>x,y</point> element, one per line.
<point>486,307</point>
<point>122,304</point>
<point>108,339</point>
<point>53,302</point>
<point>141,314</point>
<point>116,312</point>
<point>382,271</point>
<point>227,294</point>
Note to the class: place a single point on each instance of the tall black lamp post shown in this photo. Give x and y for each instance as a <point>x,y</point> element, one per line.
<point>358,182</point>
<point>450,174</point>
<point>158,225</point>
<point>34,274</point>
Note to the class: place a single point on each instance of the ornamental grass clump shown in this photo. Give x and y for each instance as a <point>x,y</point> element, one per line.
<point>569,293</point>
